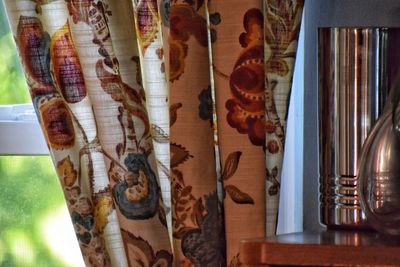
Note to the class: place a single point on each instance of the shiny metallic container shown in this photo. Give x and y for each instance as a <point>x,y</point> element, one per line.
<point>353,81</point>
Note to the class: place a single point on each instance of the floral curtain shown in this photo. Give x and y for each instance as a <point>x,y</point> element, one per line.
<point>282,21</point>
<point>239,86</point>
<point>165,120</point>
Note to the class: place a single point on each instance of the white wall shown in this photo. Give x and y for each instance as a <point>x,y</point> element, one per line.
<point>290,218</point>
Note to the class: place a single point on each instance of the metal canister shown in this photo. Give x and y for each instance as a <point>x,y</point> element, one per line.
<point>353,79</point>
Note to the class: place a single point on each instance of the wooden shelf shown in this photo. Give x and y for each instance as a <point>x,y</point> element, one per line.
<point>326,248</point>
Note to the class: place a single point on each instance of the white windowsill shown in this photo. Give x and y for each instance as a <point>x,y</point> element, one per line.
<point>20,133</point>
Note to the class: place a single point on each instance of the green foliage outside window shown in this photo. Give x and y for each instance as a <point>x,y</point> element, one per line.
<point>29,195</point>
<point>12,83</point>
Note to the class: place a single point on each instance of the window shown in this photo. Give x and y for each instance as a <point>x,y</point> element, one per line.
<point>35,227</point>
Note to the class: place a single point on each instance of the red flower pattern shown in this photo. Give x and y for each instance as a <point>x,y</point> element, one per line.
<point>246,108</point>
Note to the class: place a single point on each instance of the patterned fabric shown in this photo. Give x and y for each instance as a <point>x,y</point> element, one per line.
<point>149,37</point>
<point>96,125</point>
<point>187,94</point>
<point>281,32</point>
<point>197,222</point>
<point>239,85</point>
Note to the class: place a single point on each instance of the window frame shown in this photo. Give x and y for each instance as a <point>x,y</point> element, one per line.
<point>20,132</point>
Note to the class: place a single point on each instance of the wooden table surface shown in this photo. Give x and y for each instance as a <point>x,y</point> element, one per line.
<point>325,248</point>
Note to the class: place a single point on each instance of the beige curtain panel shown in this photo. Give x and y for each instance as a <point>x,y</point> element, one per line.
<point>165,120</point>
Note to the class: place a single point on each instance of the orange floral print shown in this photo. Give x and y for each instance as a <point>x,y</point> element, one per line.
<point>246,108</point>
<point>184,22</point>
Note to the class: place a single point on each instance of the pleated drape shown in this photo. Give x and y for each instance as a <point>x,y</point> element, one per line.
<point>281,33</point>
<point>149,37</point>
<point>197,222</point>
<point>105,162</point>
<point>189,95</point>
<point>238,70</point>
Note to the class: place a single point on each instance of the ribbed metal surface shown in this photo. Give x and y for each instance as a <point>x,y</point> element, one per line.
<point>352,91</point>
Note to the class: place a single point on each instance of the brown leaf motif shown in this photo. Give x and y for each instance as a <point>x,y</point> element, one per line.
<point>173,113</point>
<point>238,196</point>
<point>142,253</point>
<point>282,28</point>
<point>198,211</point>
<point>116,88</point>
<point>115,173</point>
<point>179,155</point>
<point>186,209</point>
<point>158,134</point>
<point>119,149</point>
<point>66,172</point>
<point>273,125</point>
<point>272,177</point>
<point>131,99</point>
<point>162,216</point>
<point>231,165</point>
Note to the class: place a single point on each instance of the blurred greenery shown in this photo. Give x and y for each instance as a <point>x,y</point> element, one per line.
<point>29,190</point>
<point>13,89</point>
<point>3,20</point>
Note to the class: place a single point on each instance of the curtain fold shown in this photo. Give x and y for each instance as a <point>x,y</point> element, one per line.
<point>151,51</point>
<point>281,33</point>
<point>197,224</point>
<point>55,107</point>
<point>239,87</point>
<point>120,152</point>
<point>191,95</point>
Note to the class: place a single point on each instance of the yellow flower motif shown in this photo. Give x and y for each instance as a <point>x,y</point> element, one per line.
<point>101,211</point>
<point>66,172</point>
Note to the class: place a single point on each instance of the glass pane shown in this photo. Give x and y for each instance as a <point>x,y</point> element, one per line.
<point>35,228</point>
<point>13,88</point>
